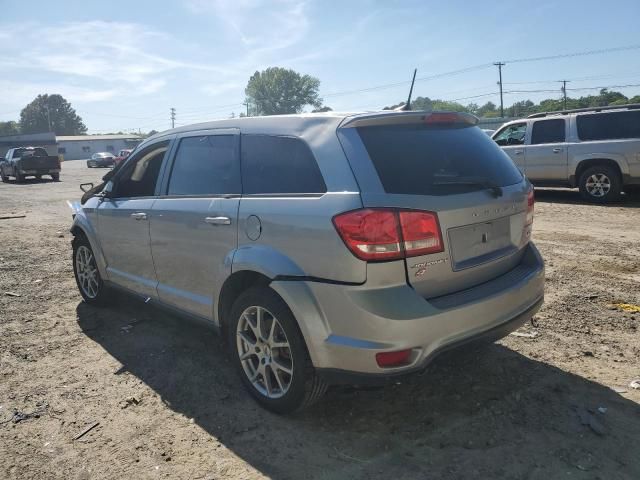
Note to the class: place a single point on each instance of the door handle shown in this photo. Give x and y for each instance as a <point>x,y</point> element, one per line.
<point>518,152</point>
<point>218,220</point>
<point>557,150</point>
<point>139,216</point>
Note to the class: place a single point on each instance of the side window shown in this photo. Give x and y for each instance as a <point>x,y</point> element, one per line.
<point>86,149</point>
<point>608,126</point>
<point>548,131</point>
<point>206,165</point>
<point>62,150</point>
<point>140,176</point>
<point>511,135</point>
<point>279,165</point>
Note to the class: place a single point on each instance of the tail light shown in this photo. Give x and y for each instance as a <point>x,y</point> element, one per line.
<point>376,234</point>
<point>530,204</point>
<point>393,359</point>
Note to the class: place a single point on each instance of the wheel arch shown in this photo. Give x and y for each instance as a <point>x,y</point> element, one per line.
<point>585,164</point>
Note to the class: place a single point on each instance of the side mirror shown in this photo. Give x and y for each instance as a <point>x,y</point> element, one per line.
<point>85,187</point>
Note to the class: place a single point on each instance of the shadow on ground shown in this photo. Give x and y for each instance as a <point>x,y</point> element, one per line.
<point>572,196</point>
<point>483,413</point>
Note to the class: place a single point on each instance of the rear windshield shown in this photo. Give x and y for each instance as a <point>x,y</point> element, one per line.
<point>433,160</point>
<point>608,126</point>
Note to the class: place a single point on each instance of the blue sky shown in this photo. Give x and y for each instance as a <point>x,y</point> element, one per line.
<point>123,64</point>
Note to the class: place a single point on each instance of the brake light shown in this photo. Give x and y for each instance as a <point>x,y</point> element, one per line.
<point>442,118</point>
<point>420,233</point>
<point>370,234</point>
<point>393,359</point>
<point>376,234</point>
<point>530,205</point>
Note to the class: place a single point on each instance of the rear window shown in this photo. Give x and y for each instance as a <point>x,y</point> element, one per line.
<point>548,131</point>
<point>279,165</point>
<point>430,160</point>
<point>609,126</point>
<point>206,165</point>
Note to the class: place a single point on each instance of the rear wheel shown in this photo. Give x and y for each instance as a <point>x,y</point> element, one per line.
<point>19,178</point>
<point>600,184</point>
<point>270,354</point>
<point>55,177</point>
<point>3,178</point>
<point>85,269</point>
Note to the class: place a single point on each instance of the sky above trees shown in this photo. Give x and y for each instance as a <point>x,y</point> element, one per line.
<point>123,64</point>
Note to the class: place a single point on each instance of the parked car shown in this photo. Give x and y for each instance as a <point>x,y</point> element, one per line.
<point>22,162</point>
<point>102,159</point>
<point>594,149</point>
<point>122,155</point>
<point>332,249</point>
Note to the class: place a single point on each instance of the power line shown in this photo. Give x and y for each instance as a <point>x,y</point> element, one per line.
<point>575,54</point>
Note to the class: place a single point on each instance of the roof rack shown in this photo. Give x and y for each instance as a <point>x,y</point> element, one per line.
<point>630,106</point>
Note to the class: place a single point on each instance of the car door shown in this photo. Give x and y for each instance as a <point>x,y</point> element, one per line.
<point>194,223</point>
<point>546,158</point>
<point>123,221</point>
<point>512,138</point>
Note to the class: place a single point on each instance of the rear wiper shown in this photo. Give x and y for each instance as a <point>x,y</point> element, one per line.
<point>496,190</point>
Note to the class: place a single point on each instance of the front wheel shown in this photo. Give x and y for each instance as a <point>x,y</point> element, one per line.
<point>600,184</point>
<point>270,354</point>
<point>19,178</point>
<point>85,269</point>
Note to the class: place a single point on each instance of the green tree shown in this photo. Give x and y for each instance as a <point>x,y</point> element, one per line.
<point>9,128</point>
<point>276,91</point>
<point>51,113</point>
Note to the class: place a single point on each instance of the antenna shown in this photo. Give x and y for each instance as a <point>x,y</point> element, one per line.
<point>407,106</point>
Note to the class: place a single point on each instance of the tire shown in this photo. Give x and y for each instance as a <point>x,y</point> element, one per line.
<point>600,184</point>
<point>55,177</point>
<point>38,177</point>
<point>19,178</point>
<point>93,293</point>
<point>287,392</point>
<point>3,178</point>
<point>90,165</point>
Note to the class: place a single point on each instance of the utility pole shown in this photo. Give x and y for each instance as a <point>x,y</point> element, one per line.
<point>173,117</point>
<point>564,91</point>
<point>246,103</point>
<point>500,65</point>
<point>48,116</point>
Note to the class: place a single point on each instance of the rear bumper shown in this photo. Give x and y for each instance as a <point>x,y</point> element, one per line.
<point>39,171</point>
<point>336,376</point>
<point>350,324</point>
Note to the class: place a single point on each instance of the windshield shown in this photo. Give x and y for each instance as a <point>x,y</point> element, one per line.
<point>428,160</point>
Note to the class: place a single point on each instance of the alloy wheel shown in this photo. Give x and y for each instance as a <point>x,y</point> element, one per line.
<point>87,272</point>
<point>264,352</point>
<point>598,185</point>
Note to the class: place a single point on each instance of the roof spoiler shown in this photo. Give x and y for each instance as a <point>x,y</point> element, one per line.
<point>629,106</point>
<point>411,117</point>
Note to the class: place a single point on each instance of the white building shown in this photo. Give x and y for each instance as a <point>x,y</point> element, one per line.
<point>79,147</point>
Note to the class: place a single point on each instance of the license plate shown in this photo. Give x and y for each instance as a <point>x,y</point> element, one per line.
<point>479,243</point>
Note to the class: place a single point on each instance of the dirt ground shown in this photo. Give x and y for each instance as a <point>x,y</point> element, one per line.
<point>555,404</point>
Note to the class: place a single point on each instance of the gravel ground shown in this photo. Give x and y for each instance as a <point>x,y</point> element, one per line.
<point>165,401</point>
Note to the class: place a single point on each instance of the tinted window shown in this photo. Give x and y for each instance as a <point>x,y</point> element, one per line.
<point>429,160</point>
<point>282,165</point>
<point>205,166</point>
<point>606,126</point>
<point>511,135</point>
<point>139,175</point>
<point>548,131</point>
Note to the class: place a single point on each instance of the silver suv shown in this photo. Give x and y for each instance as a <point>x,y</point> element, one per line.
<point>594,149</point>
<point>326,248</point>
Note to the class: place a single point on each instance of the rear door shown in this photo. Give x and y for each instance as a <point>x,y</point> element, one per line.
<point>194,222</point>
<point>512,139</point>
<point>546,155</point>
<point>123,221</point>
<point>456,171</point>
